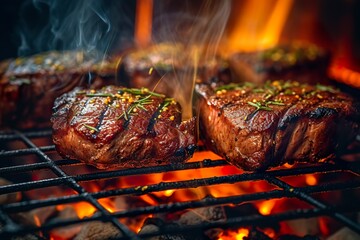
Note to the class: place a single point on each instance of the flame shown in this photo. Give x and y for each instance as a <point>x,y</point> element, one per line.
<point>143,22</point>
<point>345,75</point>
<point>266,206</point>
<point>258,25</point>
<point>310,180</point>
<point>84,209</point>
<point>37,221</point>
<point>231,235</point>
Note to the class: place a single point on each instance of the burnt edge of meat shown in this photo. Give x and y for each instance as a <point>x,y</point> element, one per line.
<point>29,85</point>
<point>260,126</point>
<point>118,127</point>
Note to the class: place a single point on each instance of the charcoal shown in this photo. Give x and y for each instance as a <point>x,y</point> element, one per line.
<point>154,224</point>
<point>67,232</point>
<point>98,231</point>
<point>344,234</point>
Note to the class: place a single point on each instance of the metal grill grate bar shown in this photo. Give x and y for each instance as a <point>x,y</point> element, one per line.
<point>71,182</point>
<point>273,177</point>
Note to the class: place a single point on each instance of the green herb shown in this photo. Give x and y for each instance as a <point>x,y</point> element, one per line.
<point>325,88</point>
<point>259,106</point>
<point>274,103</point>
<point>262,106</point>
<point>99,95</point>
<point>167,102</point>
<point>142,91</point>
<point>137,104</point>
<point>258,90</point>
<point>234,86</point>
<point>91,128</point>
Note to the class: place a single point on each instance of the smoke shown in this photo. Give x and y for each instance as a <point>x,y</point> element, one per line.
<point>89,25</point>
<point>199,27</point>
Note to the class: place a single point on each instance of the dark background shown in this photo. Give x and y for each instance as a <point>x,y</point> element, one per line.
<point>340,18</point>
<point>22,17</point>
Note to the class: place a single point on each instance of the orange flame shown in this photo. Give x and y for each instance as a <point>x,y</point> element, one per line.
<point>143,22</point>
<point>311,180</point>
<point>257,25</point>
<point>266,206</point>
<point>238,235</point>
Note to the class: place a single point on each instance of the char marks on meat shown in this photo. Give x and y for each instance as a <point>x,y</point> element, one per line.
<point>29,86</point>
<point>118,127</point>
<point>281,122</point>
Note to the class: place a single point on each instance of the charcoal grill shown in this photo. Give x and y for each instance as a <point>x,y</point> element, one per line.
<point>45,160</point>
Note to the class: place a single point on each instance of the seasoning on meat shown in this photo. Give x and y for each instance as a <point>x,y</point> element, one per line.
<point>29,85</point>
<point>280,122</point>
<point>118,127</point>
<point>300,62</point>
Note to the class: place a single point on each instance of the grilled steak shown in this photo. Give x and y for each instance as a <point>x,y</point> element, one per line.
<point>303,63</point>
<point>29,86</point>
<point>281,122</point>
<point>121,127</point>
<point>159,65</point>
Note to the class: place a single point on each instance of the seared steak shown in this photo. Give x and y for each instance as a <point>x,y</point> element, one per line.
<point>29,86</point>
<point>281,122</point>
<point>303,63</point>
<point>122,128</point>
<point>159,65</point>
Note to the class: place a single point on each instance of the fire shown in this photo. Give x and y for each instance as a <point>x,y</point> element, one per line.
<point>345,75</point>
<point>84,209</point>
<point>238,235</point>
<point>258,25</point>
<point>266,207</point>
<point>311,180</point>
<point>143,22</point>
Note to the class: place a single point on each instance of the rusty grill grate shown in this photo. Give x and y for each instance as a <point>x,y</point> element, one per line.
<point>14,170</point>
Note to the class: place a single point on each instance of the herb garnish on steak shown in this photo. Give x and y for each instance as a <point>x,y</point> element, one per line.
<point>279,122</point>
<point>121,127</point>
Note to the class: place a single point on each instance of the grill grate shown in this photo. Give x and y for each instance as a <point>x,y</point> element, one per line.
<point>46,161</point>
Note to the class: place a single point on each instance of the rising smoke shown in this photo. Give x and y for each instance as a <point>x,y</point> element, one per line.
<point>89,25</point>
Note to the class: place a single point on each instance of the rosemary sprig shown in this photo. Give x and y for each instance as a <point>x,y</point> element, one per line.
<point>274,103</point>
<point>99,95</point>
<point>137,104</point>
<point>325,88</point>
<point>167,102</point>
<point>262,106</point>
<point>142,91</point>
<point>259,106</point>
<point>91,128</point>
<point>234,86</point>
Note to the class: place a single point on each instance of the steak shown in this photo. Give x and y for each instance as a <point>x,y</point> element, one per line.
<point>159,65</point>
<point>299,62</point>
<point>29,86</point>
<point>279,122</point>
<point>118,127</point>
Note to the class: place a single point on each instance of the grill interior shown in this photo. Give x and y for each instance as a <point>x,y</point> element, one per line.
<point>22,173</point>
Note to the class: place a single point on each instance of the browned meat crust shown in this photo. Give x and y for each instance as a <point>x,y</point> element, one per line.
<point>299,62</point>
<point>157,66</point>
<point>29,86</point>
<point>282,122</point>
<point>118,127</point>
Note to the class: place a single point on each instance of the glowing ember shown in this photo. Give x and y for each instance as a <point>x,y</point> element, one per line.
<point>311,180</point>
<point>266,207</point>
<point>84,209</point>
<point>238,235</point>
